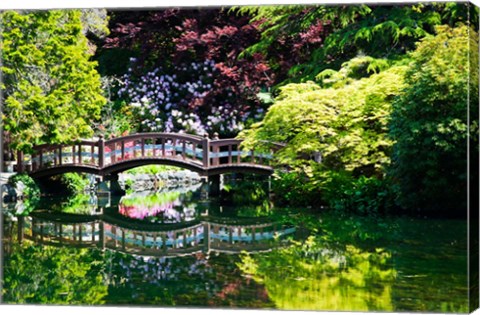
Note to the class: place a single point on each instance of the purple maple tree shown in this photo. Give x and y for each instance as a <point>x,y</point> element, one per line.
<point>190,72</point>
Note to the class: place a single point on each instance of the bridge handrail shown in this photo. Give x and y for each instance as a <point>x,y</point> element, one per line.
<point>153,135</point>
<point>48,147</point>
<point>225,142</point>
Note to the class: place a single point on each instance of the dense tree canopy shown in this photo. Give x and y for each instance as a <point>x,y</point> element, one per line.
<point>351,120</point>
<point>192,54</point>
<point>304,40</point>
<point>430,121</point>
<point>52,91</point>
<point>332,133</point>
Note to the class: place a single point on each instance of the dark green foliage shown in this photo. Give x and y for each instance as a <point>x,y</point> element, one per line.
<point>75,183</point>
<point>31,191</point>
<point>430,126</point>
<point>67,184</point>
<point>339,191</point>
<point>362,195</point>
<point>323,37</point>
<point>113,61</point>
<point>294,188</point>
<point>249,191</point>
<point>50,275</point>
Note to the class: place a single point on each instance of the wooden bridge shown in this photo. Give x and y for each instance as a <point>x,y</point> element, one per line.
<point>104,157</point>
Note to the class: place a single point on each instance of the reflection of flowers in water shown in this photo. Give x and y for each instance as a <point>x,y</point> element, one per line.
<point>155,270</point>
<point>163,207</point>
<point>168,211</point>
<point>192,280</point>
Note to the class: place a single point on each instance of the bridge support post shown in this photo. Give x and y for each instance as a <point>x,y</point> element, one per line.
<point>20,226</point>
<point>206,151</point>
<point>101,152</point>
<point>115,188</point>
<point>206,238</point>
<point>101,236</point>
<point>20,162</point>
<point>109,183</point>
<point>215,185</point>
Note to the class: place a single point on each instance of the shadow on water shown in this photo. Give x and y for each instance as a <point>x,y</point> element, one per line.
<point>179,247</point>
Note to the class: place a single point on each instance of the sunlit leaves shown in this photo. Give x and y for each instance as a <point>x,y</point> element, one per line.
<point>346,123</point>
<point>52,90</point>
<point>321,277</point>
<point>57,276</point>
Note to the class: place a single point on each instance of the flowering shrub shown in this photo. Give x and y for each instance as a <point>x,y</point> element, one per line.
<point>183,101</point>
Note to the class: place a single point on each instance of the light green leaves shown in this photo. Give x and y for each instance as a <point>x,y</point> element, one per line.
<point>346,123</point>
<point>52,89</point>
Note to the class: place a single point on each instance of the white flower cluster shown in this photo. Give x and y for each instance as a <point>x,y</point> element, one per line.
<point>180,102</point>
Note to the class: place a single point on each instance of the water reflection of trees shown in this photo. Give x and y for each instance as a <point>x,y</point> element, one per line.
<point>196,280</point>
<point>348,263</point>
<point>51,275</point>
<point>68,275</point>
<point>365,263</point>
<point>312,276</point>
<point>59,275</point>
<point>338,267</point>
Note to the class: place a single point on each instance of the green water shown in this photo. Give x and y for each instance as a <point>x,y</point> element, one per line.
<point>329,262</point>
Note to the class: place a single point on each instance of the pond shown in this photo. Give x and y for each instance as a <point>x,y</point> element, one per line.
<point>180,247</point>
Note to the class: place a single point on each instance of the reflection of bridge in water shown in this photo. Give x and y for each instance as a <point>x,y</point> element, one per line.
<point>210,234</point>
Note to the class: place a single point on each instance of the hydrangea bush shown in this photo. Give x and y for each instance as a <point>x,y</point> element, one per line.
<point>184,100</point>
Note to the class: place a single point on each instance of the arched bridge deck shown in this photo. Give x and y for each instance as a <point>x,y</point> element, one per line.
<point>103,157</point>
